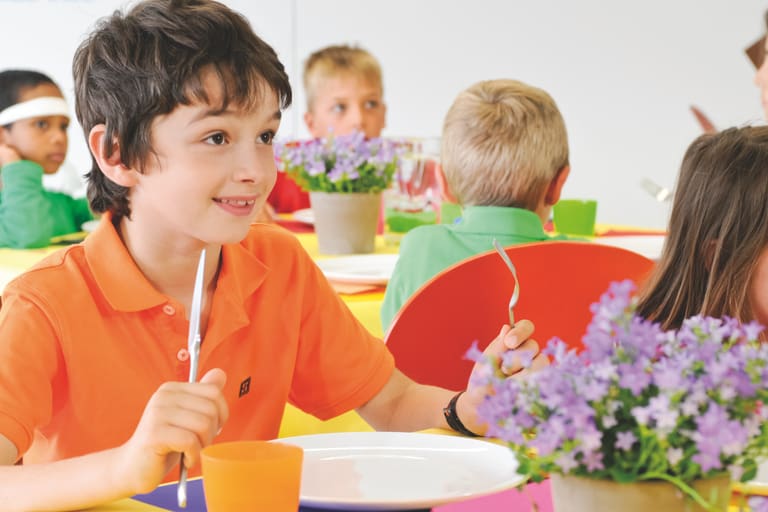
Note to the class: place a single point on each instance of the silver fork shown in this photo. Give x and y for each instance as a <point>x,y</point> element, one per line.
<point>516,292</point>
<point>660,193</point>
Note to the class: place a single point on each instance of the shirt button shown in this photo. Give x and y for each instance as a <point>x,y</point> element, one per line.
<point>182,355</point>
<point>169,310</point>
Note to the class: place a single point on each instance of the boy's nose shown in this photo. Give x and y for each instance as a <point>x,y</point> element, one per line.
<point>254,165</point>
<point>59,135</point>
<point>355,117</point>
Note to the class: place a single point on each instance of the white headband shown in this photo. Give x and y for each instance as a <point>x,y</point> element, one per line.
<point>38,107</point>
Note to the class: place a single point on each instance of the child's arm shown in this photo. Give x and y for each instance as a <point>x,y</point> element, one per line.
<point>180,417</point>
<point>25,217</point>
<point>404,405</point>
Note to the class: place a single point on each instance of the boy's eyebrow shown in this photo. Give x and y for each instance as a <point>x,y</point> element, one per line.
<point>278,115</point>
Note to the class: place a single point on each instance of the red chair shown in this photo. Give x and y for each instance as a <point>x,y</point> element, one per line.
<point>468,302</point>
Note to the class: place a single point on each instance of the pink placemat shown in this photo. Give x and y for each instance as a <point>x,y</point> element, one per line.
<point>534,498</point>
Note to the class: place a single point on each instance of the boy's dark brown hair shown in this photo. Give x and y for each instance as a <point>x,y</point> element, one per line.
<point>718,229</point>
<point>143,63</point>
<point>13,82</point>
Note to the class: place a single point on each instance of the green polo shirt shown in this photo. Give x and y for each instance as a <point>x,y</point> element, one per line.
<point>427,250</point>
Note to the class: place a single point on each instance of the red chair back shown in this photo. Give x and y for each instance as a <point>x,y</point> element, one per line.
<point>468,302</point>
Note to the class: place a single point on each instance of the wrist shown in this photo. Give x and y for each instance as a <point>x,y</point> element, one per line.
<point>451,415</point>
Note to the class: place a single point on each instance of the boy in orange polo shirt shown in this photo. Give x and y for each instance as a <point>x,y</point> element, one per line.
<point>180,102</point>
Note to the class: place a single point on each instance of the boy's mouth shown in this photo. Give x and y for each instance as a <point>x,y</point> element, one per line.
<point>239,206</point>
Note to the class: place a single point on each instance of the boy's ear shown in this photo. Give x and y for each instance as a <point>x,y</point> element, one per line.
<point>309,120</point>
<point>556,186</point>
<point>111,165</point>
<point>445,193</point>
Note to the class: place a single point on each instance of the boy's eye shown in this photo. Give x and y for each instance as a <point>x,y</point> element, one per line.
<point>371,104</point>
<point>339,108</point>
<point>267,137</point>
<point>41,123</point>
<point>217,139</point>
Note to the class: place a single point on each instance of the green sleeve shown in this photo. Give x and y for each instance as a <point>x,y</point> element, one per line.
<point>25,216</point>
<point>81,211</point>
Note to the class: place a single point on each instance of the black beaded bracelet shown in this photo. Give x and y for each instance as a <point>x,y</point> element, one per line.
<point>452,418</point>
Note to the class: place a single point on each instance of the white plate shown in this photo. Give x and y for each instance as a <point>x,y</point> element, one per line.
<point>400,471</point>
<point>648,245</point>
<point>89,226</point>
<point>307,216</point>
<point>359,269</point>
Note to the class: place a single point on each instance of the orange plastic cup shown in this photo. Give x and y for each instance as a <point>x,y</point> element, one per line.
<point>252,475</point>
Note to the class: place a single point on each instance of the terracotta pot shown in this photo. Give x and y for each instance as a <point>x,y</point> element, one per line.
<point>345,223</point>
<point>579,494</point>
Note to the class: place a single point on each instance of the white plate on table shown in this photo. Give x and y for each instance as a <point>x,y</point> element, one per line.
<point>649,246</point>
<point>306,215</point>
<point>359,269</point>
<point>400,471</point>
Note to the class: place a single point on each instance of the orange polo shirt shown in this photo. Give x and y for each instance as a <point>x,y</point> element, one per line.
<point>86,340</point>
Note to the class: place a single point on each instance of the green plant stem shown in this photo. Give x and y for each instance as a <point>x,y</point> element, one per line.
<point>687,489</point>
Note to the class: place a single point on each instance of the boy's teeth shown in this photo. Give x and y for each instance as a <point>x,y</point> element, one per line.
<point>238,202</point>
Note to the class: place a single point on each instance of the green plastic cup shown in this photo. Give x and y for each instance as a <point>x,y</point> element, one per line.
<point>575,216</point>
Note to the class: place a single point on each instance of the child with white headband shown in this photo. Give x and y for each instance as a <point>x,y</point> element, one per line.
<point>33,140</point>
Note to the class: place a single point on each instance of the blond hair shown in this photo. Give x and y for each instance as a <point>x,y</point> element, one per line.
<point>503,143</point>
<point>332,61</point>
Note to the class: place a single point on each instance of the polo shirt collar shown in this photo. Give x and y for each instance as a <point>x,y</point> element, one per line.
<point>501,219</point>
<point>127,289</point>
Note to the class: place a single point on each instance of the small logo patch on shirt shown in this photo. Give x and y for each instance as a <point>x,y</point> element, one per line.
<point>245,387</point>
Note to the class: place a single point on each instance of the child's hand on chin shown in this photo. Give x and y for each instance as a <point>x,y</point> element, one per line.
<point>8,155</point>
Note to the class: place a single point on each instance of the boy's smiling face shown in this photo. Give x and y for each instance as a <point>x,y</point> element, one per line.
<point>211,170</point>
<point>347,103</point>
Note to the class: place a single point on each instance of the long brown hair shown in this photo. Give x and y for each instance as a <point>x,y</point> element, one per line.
<point>717,230</point>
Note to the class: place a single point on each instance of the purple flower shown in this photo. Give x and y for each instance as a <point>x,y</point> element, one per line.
<point>674,456</point>
<point>634,377</point>
<point>758,503</point>
<point>566,462</point>
<point>593,461</point>
<point>348,163</point>
<point>687,402</point>
<point>625,440</point>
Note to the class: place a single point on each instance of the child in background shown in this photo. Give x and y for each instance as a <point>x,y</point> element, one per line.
<point>504,154</point>
<point>180,115</point>
<point>33,141</point>
<point>715,259</point>
<point>344,94</point>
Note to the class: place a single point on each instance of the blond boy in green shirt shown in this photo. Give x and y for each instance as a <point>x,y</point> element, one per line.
<point>505,159</point>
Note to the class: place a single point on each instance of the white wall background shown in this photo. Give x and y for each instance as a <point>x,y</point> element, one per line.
<point>623,73</point>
